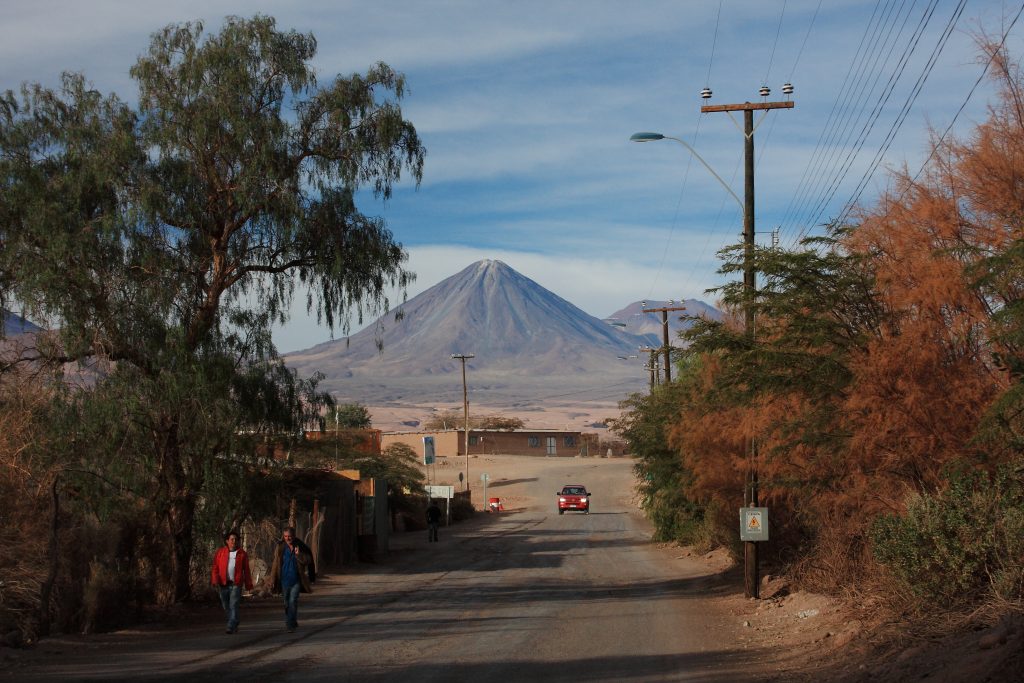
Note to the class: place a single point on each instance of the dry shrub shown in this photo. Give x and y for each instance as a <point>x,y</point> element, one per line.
<point>24,488</point>
<point>259,538</point>
<point>60,568</point>
<point>837,559</point>
<point>103,601</point>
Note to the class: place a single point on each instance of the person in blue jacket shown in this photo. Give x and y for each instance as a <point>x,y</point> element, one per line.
<point>292,573</point>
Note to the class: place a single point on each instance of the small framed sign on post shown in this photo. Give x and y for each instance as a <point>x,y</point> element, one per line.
<point>428,450</point>
<point>753,524</point>
<point>446,493</point>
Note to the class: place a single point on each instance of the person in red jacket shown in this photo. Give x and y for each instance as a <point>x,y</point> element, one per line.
<point>229,573</point>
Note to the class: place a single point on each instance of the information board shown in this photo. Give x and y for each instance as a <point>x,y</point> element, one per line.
<point>441,491</point>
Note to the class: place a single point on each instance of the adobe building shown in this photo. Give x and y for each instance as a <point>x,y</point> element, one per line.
<point>540,442</point>
<point>365,441</point>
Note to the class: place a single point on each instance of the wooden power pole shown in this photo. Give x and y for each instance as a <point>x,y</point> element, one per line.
<point>751,578</point>
<point>652,364</point>
<point>666,349</point>
<point>465,406</point>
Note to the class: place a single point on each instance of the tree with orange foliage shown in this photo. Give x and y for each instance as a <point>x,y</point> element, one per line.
<point>887,355</point>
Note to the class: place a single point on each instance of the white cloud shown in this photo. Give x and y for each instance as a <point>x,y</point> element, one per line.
<point>526,109</point>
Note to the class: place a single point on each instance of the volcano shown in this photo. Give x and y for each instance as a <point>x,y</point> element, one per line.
<point>526,341</point>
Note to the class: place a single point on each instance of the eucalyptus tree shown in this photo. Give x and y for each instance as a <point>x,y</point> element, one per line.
<point>166,238</point>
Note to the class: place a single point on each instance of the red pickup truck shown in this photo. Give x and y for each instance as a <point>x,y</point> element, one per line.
<point>573,497</point>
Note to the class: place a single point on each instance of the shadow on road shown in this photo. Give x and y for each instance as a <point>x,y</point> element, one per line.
<point>509,482</point>
<point>742,666</point>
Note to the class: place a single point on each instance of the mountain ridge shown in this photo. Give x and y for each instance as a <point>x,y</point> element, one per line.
<point>14,324</point>
<point>633,319</point>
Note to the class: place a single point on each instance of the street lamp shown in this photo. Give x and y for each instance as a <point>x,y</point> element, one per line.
<point>749,278</point>
<point>651,137</point>
<point>465,405</point>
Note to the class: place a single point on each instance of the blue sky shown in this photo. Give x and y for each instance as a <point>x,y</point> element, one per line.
<point>526,109</point>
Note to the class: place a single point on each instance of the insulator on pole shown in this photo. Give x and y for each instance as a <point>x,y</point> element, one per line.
<point>706,93</point>
<point>765,91</point>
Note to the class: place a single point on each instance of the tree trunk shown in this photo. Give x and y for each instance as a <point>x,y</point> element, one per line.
<point>51,576</point>
<point>179,517</point>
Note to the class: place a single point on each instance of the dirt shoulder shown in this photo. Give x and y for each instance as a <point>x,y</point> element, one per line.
<point>804,637</point>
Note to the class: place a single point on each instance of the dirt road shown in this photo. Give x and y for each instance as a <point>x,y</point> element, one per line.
<point>524,595</point>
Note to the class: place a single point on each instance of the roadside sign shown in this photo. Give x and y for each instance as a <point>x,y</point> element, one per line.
<point>428,450</point>
<point>441,491</point>
<point>753,524</point>
<point>485,477</point>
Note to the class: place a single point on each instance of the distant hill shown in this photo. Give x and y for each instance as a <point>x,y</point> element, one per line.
<point>528,343</point>
<point>14,324</point>
<point>633,320</point>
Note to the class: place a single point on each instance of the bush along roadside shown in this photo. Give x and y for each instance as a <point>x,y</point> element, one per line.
<point>964,543</point>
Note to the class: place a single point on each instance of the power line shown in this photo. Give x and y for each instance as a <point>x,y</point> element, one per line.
<point>715,225</point>
<point>898,123</point>
<point>967,99</point>
<point>778,30</point>
<point>867,77</point>
<point>792,71</point>
<point>675,217</point>
<point>686,173</point>
<point>768,73</point>
<point>807,35</point>
<point>807,177</point>
<point>714,41</point>
<point>869,124</point>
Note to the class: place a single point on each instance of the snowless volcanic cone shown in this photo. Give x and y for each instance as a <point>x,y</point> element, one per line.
<point>513,326</point>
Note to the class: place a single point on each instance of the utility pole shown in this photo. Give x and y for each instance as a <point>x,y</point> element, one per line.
<point>465,405</point>
<point>664,334</point>
<point>751,578</point>
<point>652,364</point>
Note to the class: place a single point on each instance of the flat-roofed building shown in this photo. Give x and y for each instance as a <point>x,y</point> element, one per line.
<point>452,442</point>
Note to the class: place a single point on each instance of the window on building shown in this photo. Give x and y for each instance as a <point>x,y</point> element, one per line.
<point>570,441</point>
<point>472,440</point>
<point>533,441</point>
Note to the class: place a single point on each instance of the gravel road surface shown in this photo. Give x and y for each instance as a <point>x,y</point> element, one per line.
<point>523,595</point>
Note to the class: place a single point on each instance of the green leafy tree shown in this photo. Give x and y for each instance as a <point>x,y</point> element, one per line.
<point>453,419</point>
<point>349,416</point>
<point>663,480</point>
<point>165,240</point>
<point>498,422</point>
<point>816,306</point>
<point>447,419</point>
<point>398,463</point>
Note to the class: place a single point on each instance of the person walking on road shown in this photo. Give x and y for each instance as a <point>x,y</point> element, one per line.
<point>229,573</point>
<point>292,573</point>
<point>433,521</point>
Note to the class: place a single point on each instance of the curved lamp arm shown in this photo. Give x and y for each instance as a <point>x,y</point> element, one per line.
<point>649,137</point>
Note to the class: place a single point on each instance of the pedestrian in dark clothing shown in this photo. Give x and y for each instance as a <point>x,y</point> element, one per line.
<point>291,573</point>
<point>229,573</point>
<point>433,521</point>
